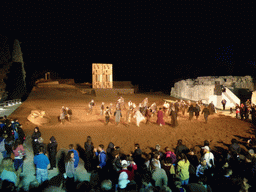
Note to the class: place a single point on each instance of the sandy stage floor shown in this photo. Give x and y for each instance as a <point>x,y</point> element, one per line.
<point>219,130</point>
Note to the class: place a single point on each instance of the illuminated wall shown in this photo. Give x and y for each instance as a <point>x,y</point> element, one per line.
<point>102,75</point>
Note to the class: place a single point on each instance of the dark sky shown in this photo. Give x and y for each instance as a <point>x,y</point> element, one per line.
<point>148,42</point>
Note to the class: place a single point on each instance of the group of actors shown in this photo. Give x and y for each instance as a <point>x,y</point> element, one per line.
<point>144,111</point>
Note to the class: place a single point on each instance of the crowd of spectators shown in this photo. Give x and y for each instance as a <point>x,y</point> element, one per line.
<point>172,169</point>
<point>176,168</point>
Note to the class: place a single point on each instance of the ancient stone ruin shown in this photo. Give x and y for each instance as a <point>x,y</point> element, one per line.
<point>213,89</point>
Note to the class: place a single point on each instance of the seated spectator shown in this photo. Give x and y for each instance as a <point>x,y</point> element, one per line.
<point>8,172</point>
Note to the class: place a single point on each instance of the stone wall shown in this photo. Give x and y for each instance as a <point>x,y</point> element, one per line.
<point>202,88</point>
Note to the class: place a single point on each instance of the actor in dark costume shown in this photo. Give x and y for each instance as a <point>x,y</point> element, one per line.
<point>211,108</point>
<point>197,111</point>
<point>191,111</point>
<point>148,115</point>
<point>173,115</point>
<point>206,113</point>
<point>223,102</point>
<point>52,152</point>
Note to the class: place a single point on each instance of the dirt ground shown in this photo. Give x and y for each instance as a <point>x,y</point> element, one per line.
<point>219,130</point>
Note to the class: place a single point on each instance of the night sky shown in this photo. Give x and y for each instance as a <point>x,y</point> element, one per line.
<point>151,43</point>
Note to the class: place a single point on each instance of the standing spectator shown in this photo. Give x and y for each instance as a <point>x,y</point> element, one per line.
<point>180,148</point>
<point>183,169</point>
<point>201,168</point>
<point>206,113</point>
<point>171,155</point>
<point>35,136</point>
<point>7,171</point>
<point>123,176</point>
<point>158,149</point>
<point>19,153</point>
<point>2,147</point>
<point>69,113</point>
<point>88,146</point>
<point>208,156</point>
<point>238,114</point>
<point>156,159</point>
<point>76,155</point>
<point>41,162</point>
<point>223,102</point>
<point>70,165</point>
<point>21,133</point>
<point>136,155</point>
<point>100,153</point>
<point>234,149</point>
<point>118,115</point>
<point>52,152</point>
<point>160,117</point>
<point>159,175</point>
<point>41,144</point>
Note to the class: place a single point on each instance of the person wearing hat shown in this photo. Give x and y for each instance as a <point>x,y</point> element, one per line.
<point>123,176</point>
<point>208,156</point>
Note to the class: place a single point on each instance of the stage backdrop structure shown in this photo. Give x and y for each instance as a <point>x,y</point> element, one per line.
<point>102,76</point>
<point>214,88</point>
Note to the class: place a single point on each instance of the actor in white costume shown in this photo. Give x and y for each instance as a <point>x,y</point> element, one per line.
<point>139,117</point>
